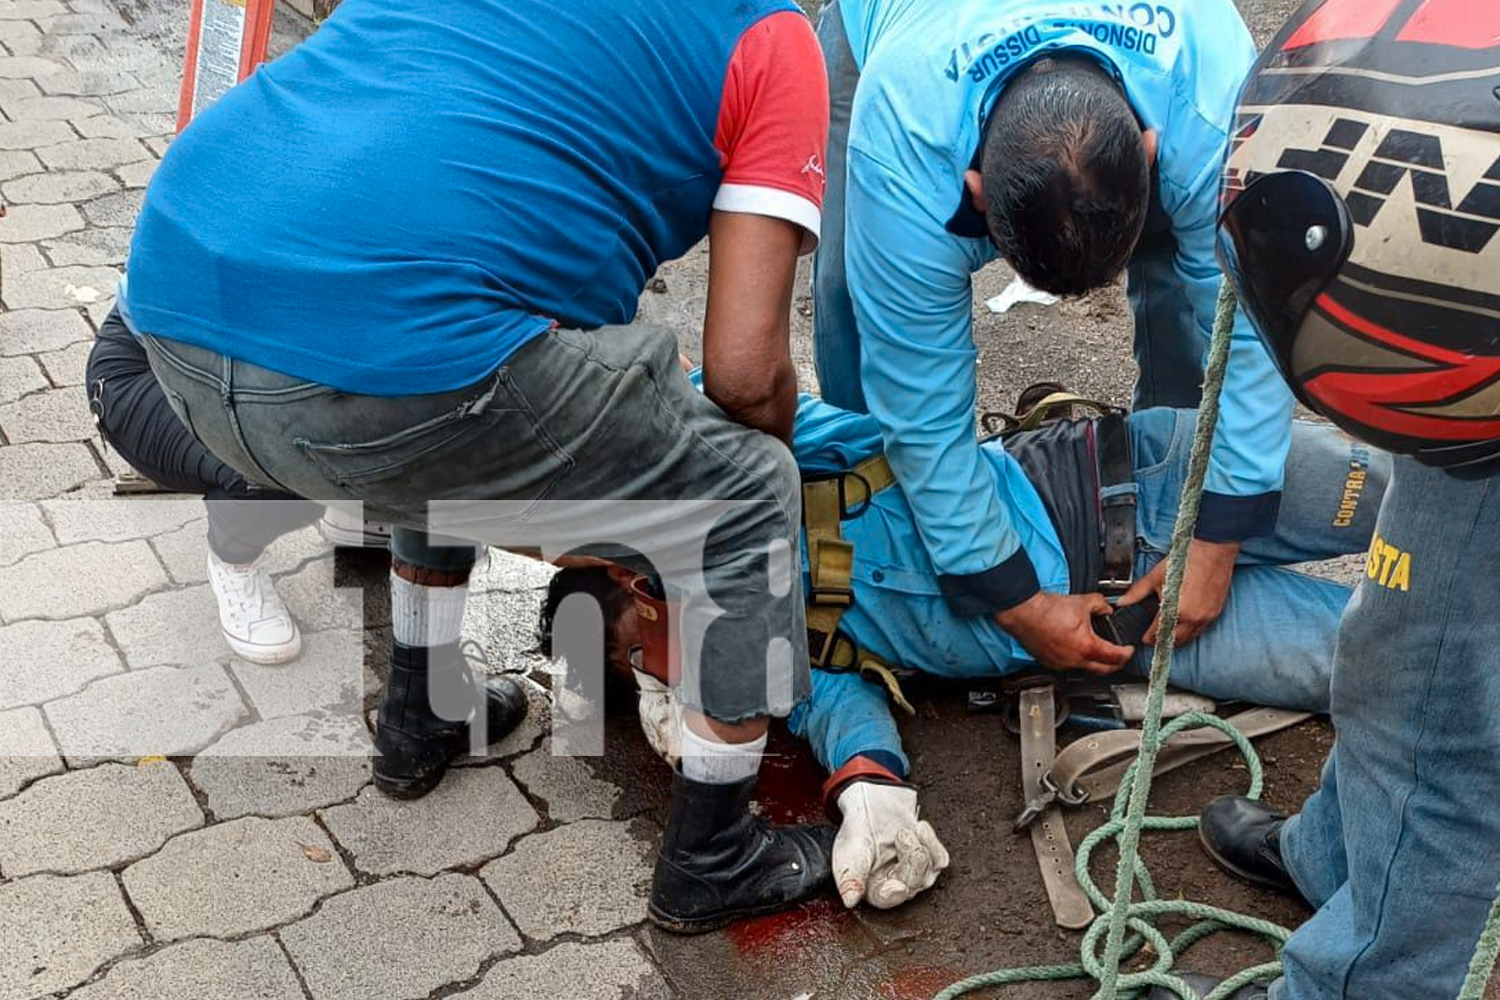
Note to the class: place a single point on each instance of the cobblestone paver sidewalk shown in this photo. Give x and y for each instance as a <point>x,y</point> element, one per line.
<point>230,863</point>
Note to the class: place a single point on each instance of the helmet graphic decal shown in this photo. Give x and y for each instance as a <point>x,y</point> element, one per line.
<point>1420,390</point>
<point>1464,24</point>
<point>1341,20</point>
<point>1425,196</point>
<point>1461,23</point>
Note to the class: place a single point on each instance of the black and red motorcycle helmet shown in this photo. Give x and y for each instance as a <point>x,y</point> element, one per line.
<point>1361,220</point>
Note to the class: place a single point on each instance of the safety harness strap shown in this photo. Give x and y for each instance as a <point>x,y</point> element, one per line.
<point>1049,835</point>
<point>1073,770</point>
<point>1091,768</point>
<point>828,501</point>
<point>1047,405</point>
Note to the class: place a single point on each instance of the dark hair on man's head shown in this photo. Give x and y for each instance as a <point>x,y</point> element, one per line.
<point>595,581</point>
<point>1066,176</point>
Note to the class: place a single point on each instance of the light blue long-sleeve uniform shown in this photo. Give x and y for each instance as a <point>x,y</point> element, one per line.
<point>1272,645</point>
<point>928,75</point>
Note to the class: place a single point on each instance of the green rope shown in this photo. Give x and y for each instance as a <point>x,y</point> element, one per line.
<point>1483,964</point>
<point>1142,914</point>
<point>1128,817</point>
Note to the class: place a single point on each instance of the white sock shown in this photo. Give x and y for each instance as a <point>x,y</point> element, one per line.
<point>426,616</point>
<point>707,760</point>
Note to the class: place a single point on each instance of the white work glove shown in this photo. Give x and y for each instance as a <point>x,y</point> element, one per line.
<point>884,853</point>
<point>661,717</point>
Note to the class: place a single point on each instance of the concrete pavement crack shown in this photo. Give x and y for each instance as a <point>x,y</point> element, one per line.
<point>275,935</point>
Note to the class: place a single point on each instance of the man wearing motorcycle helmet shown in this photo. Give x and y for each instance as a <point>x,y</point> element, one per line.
<point>1361,230</point>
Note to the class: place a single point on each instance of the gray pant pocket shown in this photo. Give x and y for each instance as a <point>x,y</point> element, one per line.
<point>488,447</point>
<point>361,463</point>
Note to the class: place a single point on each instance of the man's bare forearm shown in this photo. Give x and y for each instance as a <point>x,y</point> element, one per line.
<point>767,403</point>
<point>747,354</point>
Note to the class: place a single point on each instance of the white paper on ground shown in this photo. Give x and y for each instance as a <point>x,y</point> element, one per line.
<point>1017,292</point>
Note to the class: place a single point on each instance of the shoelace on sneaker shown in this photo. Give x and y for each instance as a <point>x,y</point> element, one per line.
<point>251,585</point>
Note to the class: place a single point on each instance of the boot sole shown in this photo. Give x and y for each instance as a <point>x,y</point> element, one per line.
<point>707,925</point>
<point>265,656</point>
<point>408,788</point>
<point>416,788</point>
<point>1287,888</point>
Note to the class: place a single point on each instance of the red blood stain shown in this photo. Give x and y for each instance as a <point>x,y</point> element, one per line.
<point>918,982</point>
<point>787,937</point>
<point>790,792</point>
<point>791,782</point>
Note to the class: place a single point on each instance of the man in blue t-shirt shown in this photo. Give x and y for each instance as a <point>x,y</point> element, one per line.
<point>400,266</point>
<point>1075,140</point>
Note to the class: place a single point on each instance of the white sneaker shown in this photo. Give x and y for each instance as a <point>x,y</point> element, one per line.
<point>256,624</point>
<point>344,530</point>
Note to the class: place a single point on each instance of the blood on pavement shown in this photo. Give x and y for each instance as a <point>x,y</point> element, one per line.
<point>791,782</point>
<point>792,936</point>
<point>790,792</point>
<point>917,982</point>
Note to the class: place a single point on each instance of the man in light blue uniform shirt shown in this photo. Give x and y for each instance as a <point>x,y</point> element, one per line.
<point>1074,139</point>
<point>1274,644</point>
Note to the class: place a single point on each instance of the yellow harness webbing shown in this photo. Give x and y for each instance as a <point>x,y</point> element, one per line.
<point>828,501</point>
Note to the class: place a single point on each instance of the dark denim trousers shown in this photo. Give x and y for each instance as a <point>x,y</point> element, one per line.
<point>1400,847</point>
<point>589,442</point>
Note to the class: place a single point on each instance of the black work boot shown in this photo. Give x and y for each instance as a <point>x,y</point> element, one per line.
<point>1204,985</point>
<point>719,863</point>
<point>427,713</point>
<point>1243,838</point>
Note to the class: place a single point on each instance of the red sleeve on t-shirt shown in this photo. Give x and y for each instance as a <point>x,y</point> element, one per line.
<point>772,134</point>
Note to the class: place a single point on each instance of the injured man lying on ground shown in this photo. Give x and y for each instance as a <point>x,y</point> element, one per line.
<point>1272,645</point>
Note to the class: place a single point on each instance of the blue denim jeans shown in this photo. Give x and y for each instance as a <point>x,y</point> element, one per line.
<point>835,334</point>
<point>1400,847</point>
<point>134,416</point>
<point>1168,345</point>
<point>1334,486</point>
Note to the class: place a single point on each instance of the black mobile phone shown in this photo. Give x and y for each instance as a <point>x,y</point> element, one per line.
<point>1127,624</point>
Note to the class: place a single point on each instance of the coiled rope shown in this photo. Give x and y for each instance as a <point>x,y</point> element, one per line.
<point>1128,817</point>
